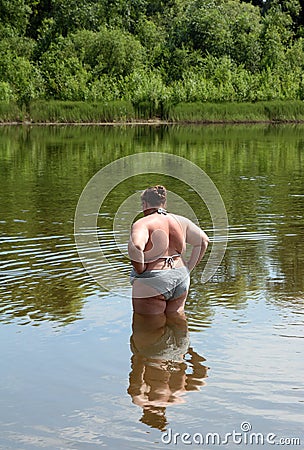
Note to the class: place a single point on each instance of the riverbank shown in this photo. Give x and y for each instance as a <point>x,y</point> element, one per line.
<point>120,111</point>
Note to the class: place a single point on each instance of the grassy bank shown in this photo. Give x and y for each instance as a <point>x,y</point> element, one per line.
<point>275,111</point>
<point>78,112</point>
<point>125,111</point>
<point>10,112</point>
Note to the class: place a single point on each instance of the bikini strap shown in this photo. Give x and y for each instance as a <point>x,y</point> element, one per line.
<point>169,260</point>
<point>162,211</point>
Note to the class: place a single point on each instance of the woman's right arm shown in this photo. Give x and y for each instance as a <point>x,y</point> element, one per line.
<point>199,241</point>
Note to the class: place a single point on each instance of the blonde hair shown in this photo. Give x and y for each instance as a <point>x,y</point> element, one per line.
<point>155,196</point>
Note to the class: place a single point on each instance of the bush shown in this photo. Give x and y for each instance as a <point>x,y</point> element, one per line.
<point>110,51</point>
<point>104,89</point>
<point>64,75</point>
<point>6,92</point>
<point>23,77</point>
<point>148,93</point>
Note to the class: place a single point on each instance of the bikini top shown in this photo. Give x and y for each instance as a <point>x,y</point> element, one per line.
<point>169,260</point>
<point>161,211</point>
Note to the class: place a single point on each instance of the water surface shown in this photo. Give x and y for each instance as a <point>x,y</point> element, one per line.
<point>74,375</point>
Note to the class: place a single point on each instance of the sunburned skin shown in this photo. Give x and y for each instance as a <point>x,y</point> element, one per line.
<point>157,243</point>
<point>157,235</point>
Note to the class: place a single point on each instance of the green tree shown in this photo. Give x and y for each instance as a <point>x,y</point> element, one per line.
<point>124,14</point>
<point>6,92</point>
<point>22,76</point>
<point>148,92</point>
<point>276,36</point>
<point>153,39</point>
<point>65,76</point>
<point>259,3</point>
<point>75,15</point>
<point>15,15</point>
<point>219,28</point>
<point>66,16</point>
<point>110,51</point>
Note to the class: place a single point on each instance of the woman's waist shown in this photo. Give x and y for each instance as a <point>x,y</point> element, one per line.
<point>178,272</point>
<point>166,262</point>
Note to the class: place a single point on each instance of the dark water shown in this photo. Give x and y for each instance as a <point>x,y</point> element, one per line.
<point>78,371</point>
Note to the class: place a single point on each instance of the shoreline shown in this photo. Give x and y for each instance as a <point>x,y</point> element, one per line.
<point>124,113</point>
<point>158,122</point>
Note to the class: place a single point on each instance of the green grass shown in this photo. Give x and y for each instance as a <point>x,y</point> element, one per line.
<point>238,112</point>
<point>285,110</point>
<point>123,111</point>
<point>81,112</point>
<point>10,112</point>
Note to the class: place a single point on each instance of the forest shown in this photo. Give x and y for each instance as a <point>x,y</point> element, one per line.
<point>150,55</point>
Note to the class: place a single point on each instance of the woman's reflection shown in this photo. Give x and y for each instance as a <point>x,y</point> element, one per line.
<point>160,364</point>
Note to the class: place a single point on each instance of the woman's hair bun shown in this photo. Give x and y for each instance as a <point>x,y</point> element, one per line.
<point>155,196</point>
<point>161,190</point>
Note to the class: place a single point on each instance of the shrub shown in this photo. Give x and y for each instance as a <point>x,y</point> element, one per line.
<point>64,75</point>
<point>23,77</point>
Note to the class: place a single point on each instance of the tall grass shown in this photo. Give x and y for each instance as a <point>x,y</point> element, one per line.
<point>285,110</point>
<point>10,112</point>
<point>275,111</point>
<point>81,112</point>
<point>124,111</point>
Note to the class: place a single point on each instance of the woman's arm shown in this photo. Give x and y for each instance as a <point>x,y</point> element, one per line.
<point>199,241</point>
<point>137,243</point>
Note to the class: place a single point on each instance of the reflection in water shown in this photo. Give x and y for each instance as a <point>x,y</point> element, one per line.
<point>254,299</point>
<point>40,280</point>
<point>163,366</point>
<point>43,171</point>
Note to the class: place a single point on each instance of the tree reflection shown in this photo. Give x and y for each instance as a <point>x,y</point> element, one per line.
<point>163,365</point>
<point>257,169</point>
<point>57,300</point>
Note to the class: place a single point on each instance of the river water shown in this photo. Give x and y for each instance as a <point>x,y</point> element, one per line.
<point>72,376</point>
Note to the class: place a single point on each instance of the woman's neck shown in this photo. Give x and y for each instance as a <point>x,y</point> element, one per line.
<point>154,209</point>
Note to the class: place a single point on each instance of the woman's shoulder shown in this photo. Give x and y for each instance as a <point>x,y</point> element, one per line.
<point>180,219</point>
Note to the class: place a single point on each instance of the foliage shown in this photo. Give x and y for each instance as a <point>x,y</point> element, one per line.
<point>109,51</point>
<point>154,54</point>
<point>222,28</point>
<point>6,92</point>
<point>15,15</point>
<point>64,75</point>
<point>22,76</point>
<point>148,93</point>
